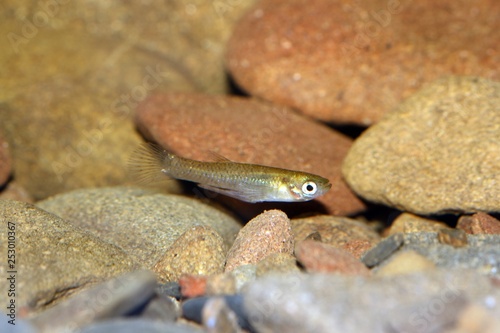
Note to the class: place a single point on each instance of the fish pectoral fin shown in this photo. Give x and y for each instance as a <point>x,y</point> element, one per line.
<point>248,193</point>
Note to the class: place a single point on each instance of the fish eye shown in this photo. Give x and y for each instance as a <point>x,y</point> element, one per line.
<point>309,188</point>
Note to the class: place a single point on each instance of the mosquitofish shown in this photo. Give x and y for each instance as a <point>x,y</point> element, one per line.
<point>246,182</point>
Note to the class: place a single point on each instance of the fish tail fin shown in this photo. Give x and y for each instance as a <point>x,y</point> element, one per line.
<point>149,164</point>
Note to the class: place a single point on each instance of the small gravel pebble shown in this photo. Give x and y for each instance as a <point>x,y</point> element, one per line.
<point>324,258</point>
<point>382,250</point>
<point>268,233</point>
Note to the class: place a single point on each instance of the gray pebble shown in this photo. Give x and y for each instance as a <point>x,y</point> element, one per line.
<point>325,303</point>
<point>110,299</point>
<point>382,250</point>
<point>138,325</point>
<point>482,252</point>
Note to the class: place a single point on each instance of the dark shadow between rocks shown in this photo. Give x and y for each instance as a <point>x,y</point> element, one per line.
<point>234,88</point>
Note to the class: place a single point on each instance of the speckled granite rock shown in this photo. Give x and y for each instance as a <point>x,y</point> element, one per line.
<point>199,250</point>
<point>334,230</point>
<point>346,61</point>
<point>437,152</point>
<point>53,258</point>
<point>250,131</point>
<point>419,302</point>
<point>141,222</point>
<point>268,233</point>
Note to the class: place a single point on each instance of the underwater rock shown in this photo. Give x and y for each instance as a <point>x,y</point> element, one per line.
<point>54,258</point>
<point>427,301</point>
<point>198,251</point>
<point>142,222</point>
<point>268,233</point>
<point>438,152</point>
<point>352,62</point>
<point>250,131</point>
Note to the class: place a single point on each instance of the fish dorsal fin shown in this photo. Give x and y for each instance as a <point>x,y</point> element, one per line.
<point>219,158</point>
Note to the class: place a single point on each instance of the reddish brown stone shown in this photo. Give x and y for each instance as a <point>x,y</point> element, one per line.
<point>480,223</point>
<point>357,247</point>
<point>250,131</point>
<point>352,61</point>
<point>268,233</point>
<point>193,285</point>
<point>319,257</point>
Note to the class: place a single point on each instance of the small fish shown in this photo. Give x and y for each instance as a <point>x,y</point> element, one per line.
<point>246,182</point>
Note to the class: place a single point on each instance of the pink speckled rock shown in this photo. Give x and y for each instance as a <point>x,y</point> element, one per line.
<point>250,131</point>
<point>324,258</point>
<point>268,233</point>
<point>480,223</point>
<point>352,61</point>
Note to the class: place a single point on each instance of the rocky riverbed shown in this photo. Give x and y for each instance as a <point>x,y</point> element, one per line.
<point>397,103</point>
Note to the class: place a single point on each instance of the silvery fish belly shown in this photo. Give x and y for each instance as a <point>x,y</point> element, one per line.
<point>246,182</point>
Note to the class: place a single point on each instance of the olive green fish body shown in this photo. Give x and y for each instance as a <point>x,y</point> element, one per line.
<point>246,182</point>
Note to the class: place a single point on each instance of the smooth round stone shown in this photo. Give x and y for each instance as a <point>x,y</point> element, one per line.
<point>438,152</point>
<point>352,62</point>
<point>142,222</point>
<point>198,251</point>
<point>53,257</point>
<point>317,257</point>
<point>250,131</point>
<point>268,233</point>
